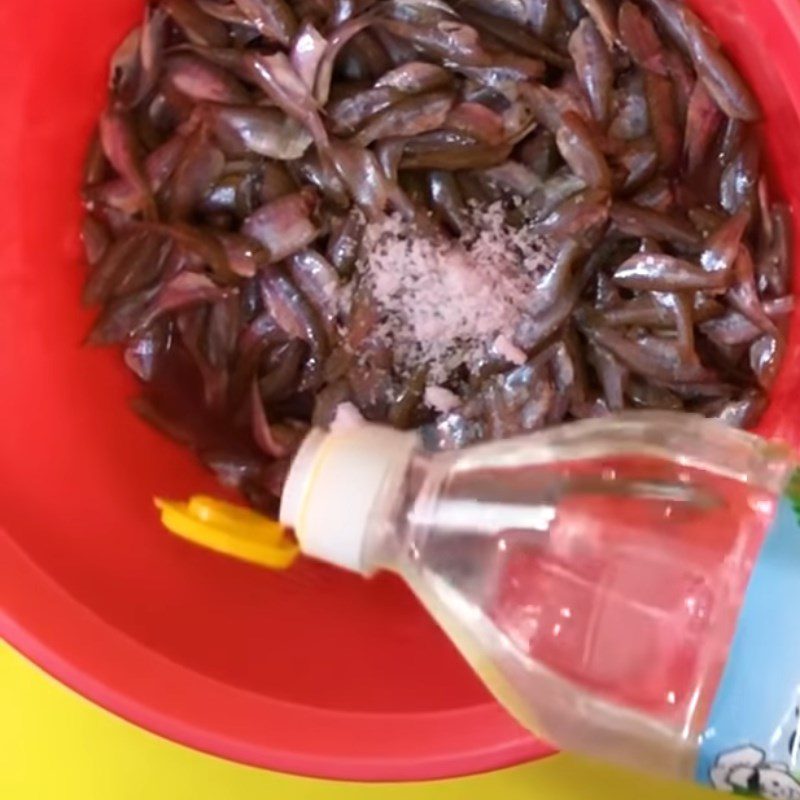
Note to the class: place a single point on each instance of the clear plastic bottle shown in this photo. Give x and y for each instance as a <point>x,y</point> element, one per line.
<point>594,575</point>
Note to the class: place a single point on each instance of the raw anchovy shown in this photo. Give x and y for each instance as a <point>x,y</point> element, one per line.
<point>203,80</point>
<point>199,27</point>
<point>265,131</point>
<point>515,37</point>
<point>641,40</point>
<point>308,49</point>
<point>249,144</point>
<point>720,77</point>
<point>446,200</point>
<point>639,161</point>
<point>124,154</point>
<point>581,212</point>
<point>276,76</point>
<point>408,117</point>
<point>602,12</point>
<point>593,67</point>
<point>274,19</point>
<point>637,221</point>
<point>739,184</point>
<point>651,357</point>
<point>773,262</point>
<point>284,226</point>
<point>663,273</point>
<point>349,113</point>
<point>200,166</point>
<point>661,107</point>
<point>345,242</point>
<point>477,121</point>
<point>581,152</point>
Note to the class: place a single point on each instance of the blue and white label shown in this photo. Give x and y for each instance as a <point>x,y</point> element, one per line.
<point>752,743</point>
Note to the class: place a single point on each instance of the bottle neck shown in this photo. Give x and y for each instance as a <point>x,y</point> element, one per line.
<point>405,513</point>
<point>339,489</point>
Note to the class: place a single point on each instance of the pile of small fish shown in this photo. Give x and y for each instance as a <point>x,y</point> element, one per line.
<point>247,144</point>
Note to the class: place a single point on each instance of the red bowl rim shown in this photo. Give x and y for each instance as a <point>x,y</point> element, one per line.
<point>137,683</point>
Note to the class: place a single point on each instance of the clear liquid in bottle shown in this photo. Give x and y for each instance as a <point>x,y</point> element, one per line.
<point>592,575</point>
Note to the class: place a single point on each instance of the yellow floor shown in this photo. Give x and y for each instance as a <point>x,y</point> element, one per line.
<point>56,746</point>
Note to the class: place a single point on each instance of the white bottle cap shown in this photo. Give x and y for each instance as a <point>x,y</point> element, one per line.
<point>333,485</point>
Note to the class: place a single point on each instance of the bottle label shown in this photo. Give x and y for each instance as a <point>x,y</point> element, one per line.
<point>752,743</point>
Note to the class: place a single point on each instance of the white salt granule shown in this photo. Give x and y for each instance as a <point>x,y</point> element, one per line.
<point>505,348</point>
<point>347,417</point>
<point>441,399</point>
<point>443,302</point>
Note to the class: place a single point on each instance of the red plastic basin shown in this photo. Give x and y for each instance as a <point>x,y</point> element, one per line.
<point>314,671</point>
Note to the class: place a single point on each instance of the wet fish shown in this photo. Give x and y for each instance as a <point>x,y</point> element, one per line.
<point>593,67</point>
<point>640,39</point>
<point>664,273</point>
<point>582,153</point>
<point>284,226</point>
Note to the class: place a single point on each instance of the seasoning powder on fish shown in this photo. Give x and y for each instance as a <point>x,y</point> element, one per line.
<point>446,302</point>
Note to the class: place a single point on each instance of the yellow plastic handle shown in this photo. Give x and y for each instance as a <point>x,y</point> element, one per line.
<point>229,529</point>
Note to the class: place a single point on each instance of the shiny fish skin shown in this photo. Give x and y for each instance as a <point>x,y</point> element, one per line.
<point>446,199</point>
<point>202,80</point>
<point>650,357</point>
<point>721,79</point>
<point>594,68</point>
<point>360,172</point>
<point>284,226</point>
<point>290,309</point>
<point>308,48</point>
<point>136,254</point>
<point>446,40</point>
<point>735,328</point>
<point>582,153</point>
<point>581,212</point>
<point>661,106</point>
<point>273,18</point>
<point>158,168</point>
<point>742,413</point>
<point>265,131</point>
<point>637,221</point>
<point>773,262</point>
<point>124,154</point>
<point>602,12</point>
<point>319,282</point>
<point>451,151</point>
<point>477,121</point>
<point>612,375</point>
<point>515,37</point>
<point>663,273</point>
<point>336,42</point>
<point>640,39</point>
<point>200,166</point>
<point>350,112</point>
<point>722,248</point>
<point>344,244</point>
<point>415,77</point>
<point>640,163</point>
<point>408,117</point>
<point>631,119</point>
<point>669,13</point>
<point>739,183</point>
<point>248,144</point>
<point>199,27</point>
<point>703,121</point>
<point>766,354</point>
<point>743,294</point>
<point>277,78</point>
